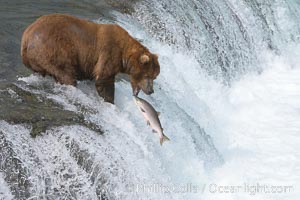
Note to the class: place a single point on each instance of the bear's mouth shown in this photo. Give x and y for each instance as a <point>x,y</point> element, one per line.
<point>136,91</point>
<point>148,90</point>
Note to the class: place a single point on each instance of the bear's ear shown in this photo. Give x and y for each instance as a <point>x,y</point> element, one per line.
<point>144,59</point>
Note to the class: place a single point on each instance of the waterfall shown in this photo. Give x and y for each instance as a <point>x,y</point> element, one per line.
<point>226,36</point>
<point>228,94</point>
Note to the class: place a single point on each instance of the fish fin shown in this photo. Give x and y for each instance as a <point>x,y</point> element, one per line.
<point>142,110</point>
<point>163,139</point>
<point>158,113</point>
<point>148,123</point>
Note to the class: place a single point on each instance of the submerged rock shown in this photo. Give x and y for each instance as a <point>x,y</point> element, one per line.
<point>21,107</point>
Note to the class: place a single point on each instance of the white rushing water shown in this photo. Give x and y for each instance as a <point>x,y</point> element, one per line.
<point>4,190</point>
<point>228,141</point>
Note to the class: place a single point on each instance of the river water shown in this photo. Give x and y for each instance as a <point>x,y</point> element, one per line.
<point>228,93</point>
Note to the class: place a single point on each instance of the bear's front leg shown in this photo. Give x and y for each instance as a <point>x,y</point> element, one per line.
<point>106,89</point>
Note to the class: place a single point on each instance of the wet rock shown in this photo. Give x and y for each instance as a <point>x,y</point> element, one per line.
<point>21,107</point>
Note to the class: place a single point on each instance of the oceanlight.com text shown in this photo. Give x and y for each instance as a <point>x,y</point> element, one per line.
<point>212,188</point>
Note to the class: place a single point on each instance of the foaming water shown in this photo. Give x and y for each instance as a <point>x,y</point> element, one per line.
<point>239,134</point>
<point>135,144</point>
<point>249,128</point>
<point>4,190</point>
<point>261,128</point>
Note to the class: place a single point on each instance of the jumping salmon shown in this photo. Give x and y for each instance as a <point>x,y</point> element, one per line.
<point>151,116</point>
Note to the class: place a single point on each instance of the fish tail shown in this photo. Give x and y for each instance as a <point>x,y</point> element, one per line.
<point>163,139</point>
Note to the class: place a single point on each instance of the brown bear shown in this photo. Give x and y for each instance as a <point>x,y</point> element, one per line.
<point>71,49</point>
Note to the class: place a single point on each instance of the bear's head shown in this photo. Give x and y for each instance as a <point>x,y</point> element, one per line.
<point>143,69</point>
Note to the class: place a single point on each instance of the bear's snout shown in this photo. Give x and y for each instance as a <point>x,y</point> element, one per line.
<point>151,91</point>
<point>148,92</point>
<point>147,86</point>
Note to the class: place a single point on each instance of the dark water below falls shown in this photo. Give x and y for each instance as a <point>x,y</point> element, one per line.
<point>228,93</point>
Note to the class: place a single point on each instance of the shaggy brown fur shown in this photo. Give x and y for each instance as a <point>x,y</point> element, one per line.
<point>71,49</point>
